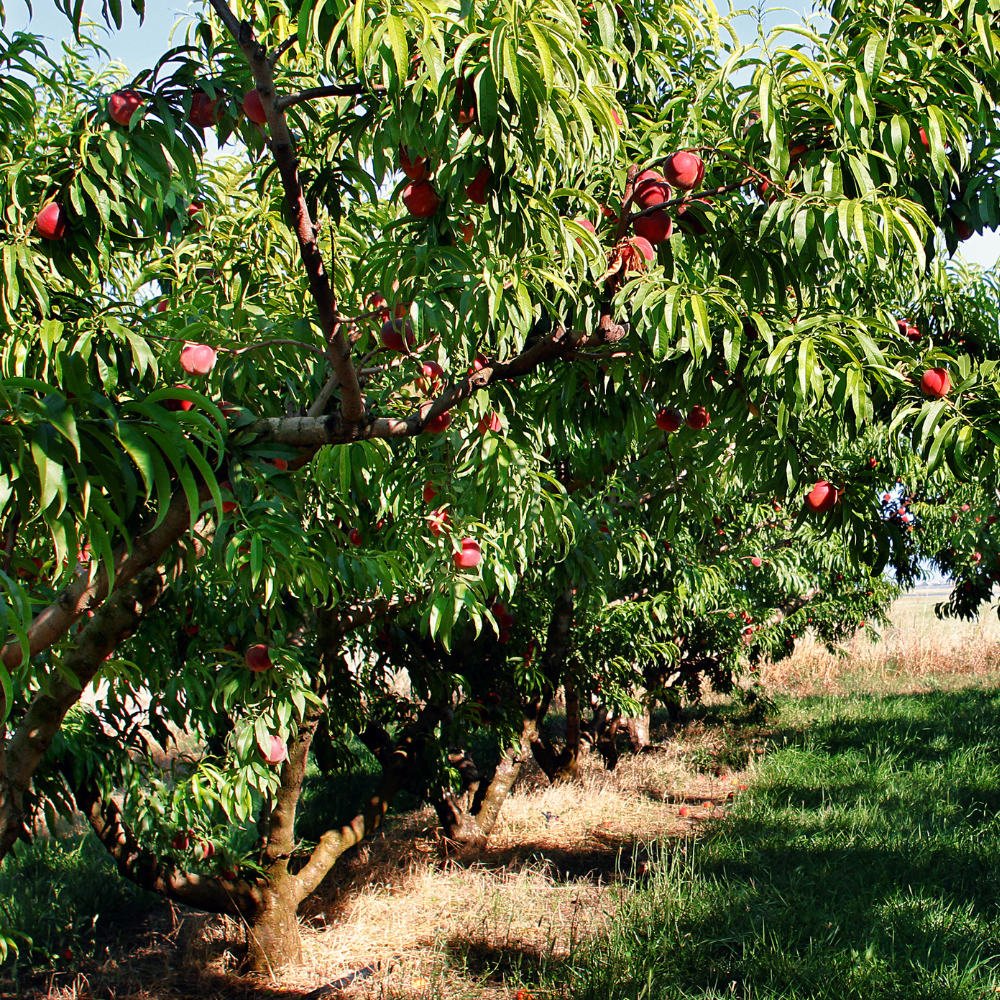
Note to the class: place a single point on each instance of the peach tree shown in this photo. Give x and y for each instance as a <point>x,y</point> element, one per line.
<point>520,209</point>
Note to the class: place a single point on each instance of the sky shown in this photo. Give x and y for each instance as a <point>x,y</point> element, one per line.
<point>138,46</point>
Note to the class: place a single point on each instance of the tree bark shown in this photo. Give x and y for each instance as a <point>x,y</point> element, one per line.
<point>468,831</point>
<point>568,759</point>
<point>267,904</point>
<point>559,765</point>
<point>638,732</point>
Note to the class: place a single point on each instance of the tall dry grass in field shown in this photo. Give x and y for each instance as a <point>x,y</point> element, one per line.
<point>919,652</point>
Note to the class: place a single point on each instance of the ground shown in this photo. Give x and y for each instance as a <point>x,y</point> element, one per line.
<point>858,861</point>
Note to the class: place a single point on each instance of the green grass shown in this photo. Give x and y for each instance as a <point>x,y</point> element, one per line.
<point>61,900</point>
<point>862,863</point>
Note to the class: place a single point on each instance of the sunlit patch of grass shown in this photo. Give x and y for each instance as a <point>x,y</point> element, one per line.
<point>863,864</point>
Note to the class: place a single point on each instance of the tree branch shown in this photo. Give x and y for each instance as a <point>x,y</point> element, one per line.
<point>143,868</point>
<point>707,193</point>
<point>334,90</point>
<point>333,843</point>
<point>285,159</point>
<point>314,431</point>
<point>282,49</point>
<point>115,620</point>
<point>55,621</point>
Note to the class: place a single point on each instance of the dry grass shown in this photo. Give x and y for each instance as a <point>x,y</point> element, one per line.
<point>550,877</point>
<point>918,653</point>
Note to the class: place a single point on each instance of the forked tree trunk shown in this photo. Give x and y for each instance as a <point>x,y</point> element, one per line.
<point>273,937</point>
<point>267,905</point>
<point>468,830</point>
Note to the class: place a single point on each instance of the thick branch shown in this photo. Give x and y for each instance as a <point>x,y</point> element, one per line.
<point>311,93</point>
<point>333,843</point>
<point>142,867</point>
<point>311,432</point>
<point>55,621</point>
<point>118,618</point>
<point>283,151</point>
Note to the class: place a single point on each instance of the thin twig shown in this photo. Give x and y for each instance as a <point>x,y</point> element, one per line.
<point>275,343</point>
<point>707,193</point>
<point>333,90</point>
<point>282,49</point>
<point>319,405</point>
<point>236,351</point>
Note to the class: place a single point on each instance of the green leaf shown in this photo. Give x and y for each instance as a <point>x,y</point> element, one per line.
<point>400,47</point>
<point>48,461</point>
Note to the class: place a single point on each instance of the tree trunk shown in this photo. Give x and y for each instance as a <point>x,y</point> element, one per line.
<point>637,730</point>
<point>267,905</point>
<point>554,660</point>
<point>136,587</point>
<point>117,618</point>
<point>469,830</point>
<point>607,744</point>
<point>568,760</point>
<point>273,937</point>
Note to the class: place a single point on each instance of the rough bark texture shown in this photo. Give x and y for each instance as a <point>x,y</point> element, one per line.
<point>467,831</point>
<point>637,730</point>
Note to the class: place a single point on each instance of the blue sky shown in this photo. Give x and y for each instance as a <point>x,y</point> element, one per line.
<point>139,46</point>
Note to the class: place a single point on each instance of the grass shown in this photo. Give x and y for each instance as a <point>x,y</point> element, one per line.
<point>863,864</point>
<point>860,863</point>
<point>60,899</point>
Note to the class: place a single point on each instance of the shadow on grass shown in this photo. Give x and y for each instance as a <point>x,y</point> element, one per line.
<point>864,863</point>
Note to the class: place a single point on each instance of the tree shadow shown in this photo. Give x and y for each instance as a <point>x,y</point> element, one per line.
<point>863,863</point>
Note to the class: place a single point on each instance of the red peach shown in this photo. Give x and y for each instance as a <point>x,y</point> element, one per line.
<point>198,359</point>
<point>258,658</point>
<point>253,107</point>
<point>52,221</point>
<point>821,498</point>
<point>470,555</point>
<point>698,419</point>
<point>684,170</point>
<point>421,199</point>
<point>936,382</point>
<point>123,104</point>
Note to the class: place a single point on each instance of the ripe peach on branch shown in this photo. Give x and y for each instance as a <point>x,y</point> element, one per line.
<point>684,170</point>
<point>122,105</point>
<point>822,497</point>
<point>416,169</point>
<point>421,199</point>
<point>198,359</point>
<point>936,383</point>
<point>253,107</point>
<point>52,221</point>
